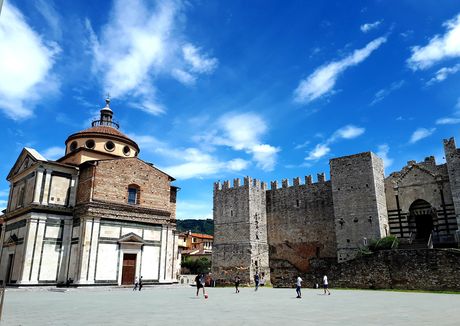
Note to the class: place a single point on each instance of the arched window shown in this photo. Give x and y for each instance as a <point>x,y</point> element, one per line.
<point>133,194</point>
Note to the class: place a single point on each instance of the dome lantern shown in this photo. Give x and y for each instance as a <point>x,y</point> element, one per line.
<point>106,116</point>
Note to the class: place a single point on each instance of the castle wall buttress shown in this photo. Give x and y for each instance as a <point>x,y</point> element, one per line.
<point>359,202</point>
<point>240,240</point>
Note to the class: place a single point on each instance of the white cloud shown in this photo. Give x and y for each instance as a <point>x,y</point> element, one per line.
<point>53,153</point>
<point>452,120</point>
<point>382,152</point>
<point>200,63</point>
<point>323,79</point>
<point>199,164</point>
<point>443,73</point>
<point>347,132</point>
<point>237,164</point>
<point>183,76</point>
<point>421,133</point>
<point>26,61</point>
<point>370,26</point>
<point>439,47</point>
<point>240,130</point>
<point>384,92</point>
<point>48,11</point>
<point>303,145</point>
<point>189,162</point>
<point>3,204</point>
<point>141,43</point>
<point>265,156</point>
<point>322,149</point>
<point>448,121</point>
<point>243,131</point>
<point>319,151</point>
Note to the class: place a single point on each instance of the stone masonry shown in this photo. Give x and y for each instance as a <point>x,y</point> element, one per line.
<point>359,202</point>
<point>242,213</point>
<point>329,220</point>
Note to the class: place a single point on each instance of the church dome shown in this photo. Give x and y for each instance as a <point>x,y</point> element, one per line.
<point>103,137</point>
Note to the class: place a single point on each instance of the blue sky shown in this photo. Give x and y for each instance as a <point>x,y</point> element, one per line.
<point>216,90</point>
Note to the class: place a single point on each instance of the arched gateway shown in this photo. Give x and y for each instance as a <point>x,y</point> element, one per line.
<point>422,219</point>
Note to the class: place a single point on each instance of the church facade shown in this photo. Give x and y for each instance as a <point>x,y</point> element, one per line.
<point>99,215</point>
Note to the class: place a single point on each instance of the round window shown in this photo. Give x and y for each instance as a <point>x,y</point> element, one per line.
<point>90,144</point>
<point>73,146</point>
<point>126,150</point>
<point>109,146</point>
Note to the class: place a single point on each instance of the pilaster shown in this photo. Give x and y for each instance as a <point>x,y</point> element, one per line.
<point>46,189</point>
<point>65,250</point>
<point>38,186</point>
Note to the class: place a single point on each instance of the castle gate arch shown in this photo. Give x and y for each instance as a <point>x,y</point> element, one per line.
<point>422,219</point>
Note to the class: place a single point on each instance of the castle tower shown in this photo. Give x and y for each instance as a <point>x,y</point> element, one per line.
<point>240,240</point>
<point>358,194</point>
<point>452,154</point>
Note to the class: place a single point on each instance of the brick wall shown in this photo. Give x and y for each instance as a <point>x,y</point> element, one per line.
<point>112,178</point>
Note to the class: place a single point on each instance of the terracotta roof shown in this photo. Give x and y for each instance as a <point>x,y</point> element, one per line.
<point>103,131</point>
<point>203,236</point>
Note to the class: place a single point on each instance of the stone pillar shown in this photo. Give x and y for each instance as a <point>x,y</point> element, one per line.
<point>163,253</point>
<point>39,225</point>
<point>65,250</point>
<point>73,191</point>
<point>46,190</point>
<point>2,239</point>
<point>38,186</point>
<point>89,237</point>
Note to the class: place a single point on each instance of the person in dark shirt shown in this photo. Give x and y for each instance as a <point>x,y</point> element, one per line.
<point>256,281</point>
<point>237,284</point>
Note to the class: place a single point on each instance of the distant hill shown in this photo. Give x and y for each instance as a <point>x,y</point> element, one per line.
<point>196,226</point>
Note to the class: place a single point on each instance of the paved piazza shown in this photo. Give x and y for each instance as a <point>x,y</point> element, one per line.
<point>179,306</point>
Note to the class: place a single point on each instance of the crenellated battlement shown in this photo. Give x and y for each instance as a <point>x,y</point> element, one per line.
<point>257,184</point>
<point>248,182</point>
<point>296,182</point>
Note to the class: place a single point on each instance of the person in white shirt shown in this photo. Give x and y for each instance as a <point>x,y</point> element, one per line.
<point>298,286</point>
<point>325,285</point>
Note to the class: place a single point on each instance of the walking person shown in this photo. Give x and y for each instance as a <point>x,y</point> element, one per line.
<point>256,281</point>
<point>136,283</point>
<point>326,285</point>
<point>199,280</point>
<point>298,285</point>
<point>140,283</point>
<point>237,284</point>
<point>203,283</point>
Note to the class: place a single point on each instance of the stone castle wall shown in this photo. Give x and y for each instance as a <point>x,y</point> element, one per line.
<point>359,202</point>
<point>315,226</point>
<point>300,222</point>
<point>453,166</point>
<point>240,238</point>
<point>422,269</point>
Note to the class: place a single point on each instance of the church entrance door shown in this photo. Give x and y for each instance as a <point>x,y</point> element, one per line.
<point>129,269</point>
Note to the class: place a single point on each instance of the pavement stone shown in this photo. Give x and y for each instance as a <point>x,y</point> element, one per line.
<point>173,305</point>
